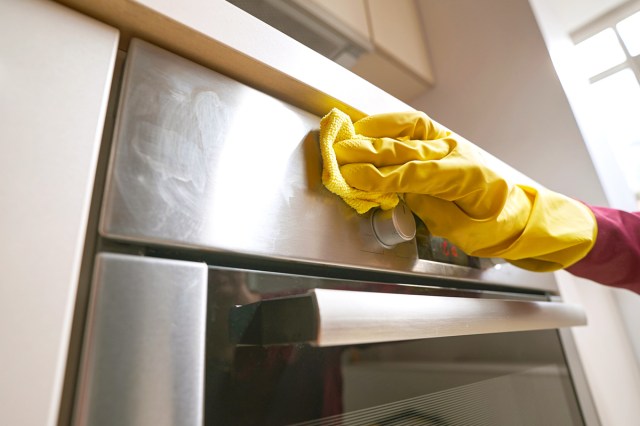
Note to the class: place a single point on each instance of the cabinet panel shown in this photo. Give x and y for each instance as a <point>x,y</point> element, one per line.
<point>389,74</point>
<point>397,32</point>
<point>349,17</point>
<point>56,72</point>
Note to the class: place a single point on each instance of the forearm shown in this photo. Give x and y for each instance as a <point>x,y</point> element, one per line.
<point>615,258</point>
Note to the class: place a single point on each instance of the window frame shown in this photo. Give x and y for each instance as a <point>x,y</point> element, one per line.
<point>609,20</point>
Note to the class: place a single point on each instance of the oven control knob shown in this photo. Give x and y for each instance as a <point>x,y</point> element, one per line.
<point>393,226</point>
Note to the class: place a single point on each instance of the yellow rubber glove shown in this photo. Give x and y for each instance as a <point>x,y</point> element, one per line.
<point>446,181</point>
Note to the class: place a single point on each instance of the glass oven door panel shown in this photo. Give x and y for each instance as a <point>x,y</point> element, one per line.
<point>517,378</point>
<point>281,385</point>
<point>453,380</point>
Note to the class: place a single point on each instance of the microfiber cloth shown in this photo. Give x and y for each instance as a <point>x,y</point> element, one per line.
<point>335,127</point>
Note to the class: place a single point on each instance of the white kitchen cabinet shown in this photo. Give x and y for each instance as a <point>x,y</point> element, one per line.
<point>55,74</point>
<point>397,33</point>
<point>399,61</point>
<point>348,17</point>
<point>379,40</point>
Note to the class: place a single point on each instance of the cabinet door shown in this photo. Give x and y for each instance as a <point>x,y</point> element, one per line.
<point>399,61</point>
<point>56,68</point>
<point>397,31</point>
<point>348,17</point>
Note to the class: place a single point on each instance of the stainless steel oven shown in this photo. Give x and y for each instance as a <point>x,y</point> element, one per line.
<point>230,288</point>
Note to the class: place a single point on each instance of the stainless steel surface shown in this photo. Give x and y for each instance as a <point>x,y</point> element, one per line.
<point>394,226</point>
<point>143,360</point>
<point>338,317</point>
<point>204,162</point>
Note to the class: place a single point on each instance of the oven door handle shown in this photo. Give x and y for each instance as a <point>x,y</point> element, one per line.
<point>339,317</point>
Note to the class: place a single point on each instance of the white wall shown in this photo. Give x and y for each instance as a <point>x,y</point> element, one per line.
<point>496,85</point>
<point>608,355</point>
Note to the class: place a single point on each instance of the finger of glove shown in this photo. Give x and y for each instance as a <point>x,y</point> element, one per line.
<point>445,219</point>
<point>485,238</point>
<point>407,125</point>
<point>442,217</point>
<point>461,176</point>
<point>453,178</point>
<point>383,152</point>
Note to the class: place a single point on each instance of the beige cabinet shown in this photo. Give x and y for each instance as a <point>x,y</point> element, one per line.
<point>395,57</point>
<point>347,17</point>
<point>399,61</point>
<point>397,33</point>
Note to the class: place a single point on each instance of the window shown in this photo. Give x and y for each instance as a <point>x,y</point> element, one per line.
<point>609,53</point>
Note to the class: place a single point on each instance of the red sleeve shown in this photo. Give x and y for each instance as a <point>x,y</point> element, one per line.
<point>615,258</point>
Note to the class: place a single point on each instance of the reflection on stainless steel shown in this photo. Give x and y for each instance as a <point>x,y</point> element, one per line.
<point>204,162</point>
<point>143,361</point>
<point>337,317</point>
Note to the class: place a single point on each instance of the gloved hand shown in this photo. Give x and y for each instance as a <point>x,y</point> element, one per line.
<point>446,181</point>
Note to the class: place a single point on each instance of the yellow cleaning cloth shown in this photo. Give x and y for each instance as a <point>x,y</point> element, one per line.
<point>446,181</point>
<point>337,127</point>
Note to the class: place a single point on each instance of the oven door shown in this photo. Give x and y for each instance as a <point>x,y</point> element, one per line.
<point>182,343</point>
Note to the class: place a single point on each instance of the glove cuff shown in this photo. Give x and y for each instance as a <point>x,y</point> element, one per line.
<point>560,232</point>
